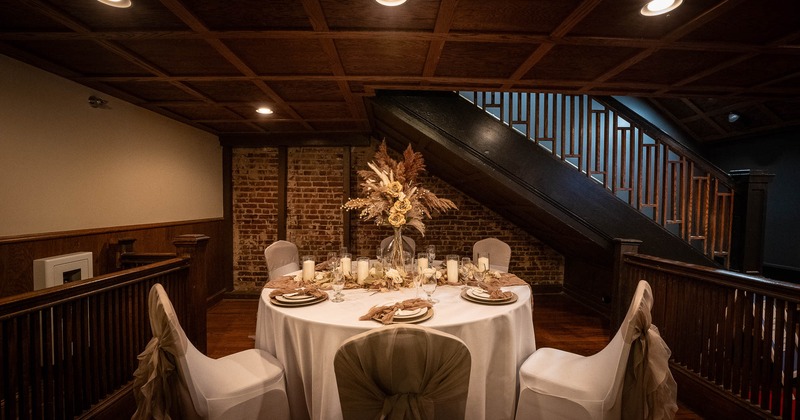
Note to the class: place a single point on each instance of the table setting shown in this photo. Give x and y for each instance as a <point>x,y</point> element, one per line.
<point>489,310</point>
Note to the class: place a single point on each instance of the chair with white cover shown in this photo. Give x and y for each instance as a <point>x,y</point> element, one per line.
<point>409,245</point>
<point>403,371</point>
<point>175,378</point>
<point>499,253</point>
<point>282,258</point>
<point>628,379</point>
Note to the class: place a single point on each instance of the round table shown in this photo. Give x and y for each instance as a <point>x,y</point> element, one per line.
<point>305,340</point>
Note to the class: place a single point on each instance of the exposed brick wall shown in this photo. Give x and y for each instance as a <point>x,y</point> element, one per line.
<point>255,214</point>
<point>315,195</point>
<point>315,219</point>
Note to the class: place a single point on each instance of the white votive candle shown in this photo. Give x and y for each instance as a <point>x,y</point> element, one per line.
<point>483,263</point>
<point>346,265</point>
<point>362,270</point>
<point>422,263</point>
<point>452,270</point>
<point>308,270</point>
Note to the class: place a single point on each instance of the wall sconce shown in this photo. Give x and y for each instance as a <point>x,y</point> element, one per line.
<point>96,102</point>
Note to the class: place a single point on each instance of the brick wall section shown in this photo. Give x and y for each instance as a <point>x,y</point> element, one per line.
<point>255,214</point>
<point>315,195</point>
<point>315,218</point>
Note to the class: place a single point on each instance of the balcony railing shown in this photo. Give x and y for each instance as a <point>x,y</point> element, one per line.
<point>640,165</point>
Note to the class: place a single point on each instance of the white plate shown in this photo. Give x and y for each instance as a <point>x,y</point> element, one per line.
<point>406,313</point>
<point>478,293</point>
<point>289,298</point>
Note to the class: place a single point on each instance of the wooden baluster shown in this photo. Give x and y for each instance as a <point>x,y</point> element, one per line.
<point>789,333</point>
<point>777,358</point>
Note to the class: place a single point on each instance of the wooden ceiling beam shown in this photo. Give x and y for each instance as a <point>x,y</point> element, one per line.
<point>676,34</point>
<point>319,23</point>
<point>444,20</point>
<point>188,18</point>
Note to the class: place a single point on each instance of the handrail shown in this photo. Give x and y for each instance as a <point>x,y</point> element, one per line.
<point>635,162</point>
<point>65,349</point>
<point>732,335</point>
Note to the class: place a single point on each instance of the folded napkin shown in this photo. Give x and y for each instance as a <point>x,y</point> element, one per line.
<point>494,291</point>
<point>385,314</point>
<point>508,279</point>
<point>284,282</point>
<point>308,290</point>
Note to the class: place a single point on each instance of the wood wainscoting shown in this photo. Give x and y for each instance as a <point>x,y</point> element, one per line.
<point>17,253</point>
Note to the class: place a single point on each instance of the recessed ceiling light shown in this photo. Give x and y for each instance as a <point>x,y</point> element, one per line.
<point>391,2</point>
<point>264,110</point>
<point>116,3</point>
<point>659,7</point>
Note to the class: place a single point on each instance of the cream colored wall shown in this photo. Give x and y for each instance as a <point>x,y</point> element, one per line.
<point>66,166</point>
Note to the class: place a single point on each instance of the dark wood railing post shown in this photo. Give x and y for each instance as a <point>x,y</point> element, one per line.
<point>621,289</point>
<point>116,248</point>
<point>194,247</point>
<point>749,220</point>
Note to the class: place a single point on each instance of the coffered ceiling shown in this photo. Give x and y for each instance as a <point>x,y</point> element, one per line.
<point>210,63</point>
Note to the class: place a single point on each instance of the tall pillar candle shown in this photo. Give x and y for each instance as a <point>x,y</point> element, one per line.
<point>422,261</point>
<point>483,262</point>
<point>362,269</point>
<point>452,268</point>
<point>346,264</point>
<point>308,268</point>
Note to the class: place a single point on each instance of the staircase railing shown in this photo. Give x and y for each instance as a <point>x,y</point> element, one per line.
<point>637,163</point>
<point>733,337</point>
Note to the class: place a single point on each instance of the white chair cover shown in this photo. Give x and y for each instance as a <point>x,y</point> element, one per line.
<point>499,253</point>
<point>173,376</point>
<point>409,245</point>
<point>282,258</point>
<point>403,372</point>
<point>628,379</point>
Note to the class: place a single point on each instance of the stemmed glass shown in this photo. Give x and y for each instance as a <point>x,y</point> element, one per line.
<point>482,266</point>
<point>338,285</point>
<point>466,270</point>
<point>333,257</point>
<point>429,284</point>
<point>431,250</point>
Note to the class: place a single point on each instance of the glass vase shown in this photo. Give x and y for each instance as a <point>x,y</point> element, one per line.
<point>394,257</point>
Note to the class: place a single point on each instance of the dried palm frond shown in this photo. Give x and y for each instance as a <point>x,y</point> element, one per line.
<point>389,192</point>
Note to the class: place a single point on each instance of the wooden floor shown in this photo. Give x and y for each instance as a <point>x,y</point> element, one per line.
<point>558,321</point>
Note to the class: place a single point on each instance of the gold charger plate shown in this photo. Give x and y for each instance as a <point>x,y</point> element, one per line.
<point>512,299</point>
<point>276,302</point>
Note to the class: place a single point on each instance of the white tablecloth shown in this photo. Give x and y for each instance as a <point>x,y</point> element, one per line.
<point>305,340</point>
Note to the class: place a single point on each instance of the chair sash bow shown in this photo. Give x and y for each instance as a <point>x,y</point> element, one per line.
<point>649,390</point>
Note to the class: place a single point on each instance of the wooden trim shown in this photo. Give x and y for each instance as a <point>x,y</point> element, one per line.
<point>283,177</point>
<point>711,401</point>
<point>227,214</point>
<point>215,298</point>
<point>318,139</point>
<point>98,231</point>
<point>347,160</point>
<point>118,405</point>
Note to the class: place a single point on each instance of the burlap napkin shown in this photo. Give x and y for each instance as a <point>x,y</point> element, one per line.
<point>385,314</point>
<point>307,290</point>
<point>494,291</point>
<point>508,279</point>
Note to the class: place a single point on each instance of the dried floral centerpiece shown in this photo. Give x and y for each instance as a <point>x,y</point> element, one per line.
<point>390,195</point>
